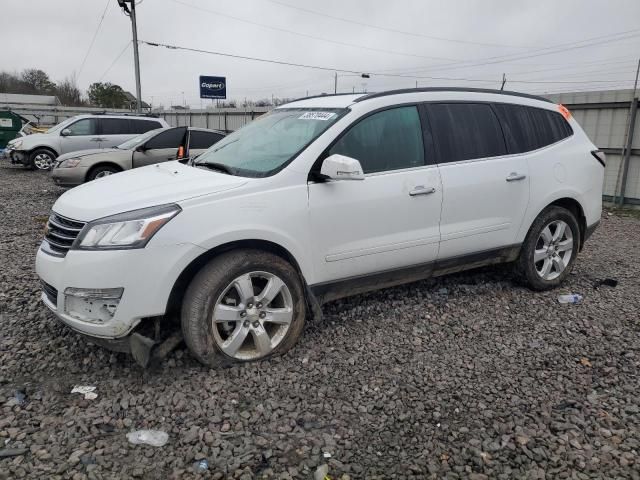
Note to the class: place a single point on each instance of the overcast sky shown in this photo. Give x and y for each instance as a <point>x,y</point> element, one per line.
<point>465,43</point>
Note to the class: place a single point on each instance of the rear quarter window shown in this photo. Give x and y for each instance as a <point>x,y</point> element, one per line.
<point>529,128</point>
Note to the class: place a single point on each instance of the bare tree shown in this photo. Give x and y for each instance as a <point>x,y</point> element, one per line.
<point>68,92</point>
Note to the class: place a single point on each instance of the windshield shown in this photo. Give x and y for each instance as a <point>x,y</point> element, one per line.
<point>139,140</point>
<point>267,144</point>
<point>61,125</point>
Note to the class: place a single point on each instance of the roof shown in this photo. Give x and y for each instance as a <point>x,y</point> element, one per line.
<point>21,98</point>
<point>342,100</point>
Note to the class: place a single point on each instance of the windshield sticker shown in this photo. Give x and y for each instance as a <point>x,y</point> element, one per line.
<point>324,116</point>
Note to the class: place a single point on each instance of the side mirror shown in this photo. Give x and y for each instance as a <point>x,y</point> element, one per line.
<point>65,132</point>
<point>340,167</point>
<point>141,148</point>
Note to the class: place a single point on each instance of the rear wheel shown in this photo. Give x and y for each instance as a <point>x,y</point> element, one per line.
<point>41,159</point>
<point>245,305</point>
<point>550,249</point>
<point>100,172</point>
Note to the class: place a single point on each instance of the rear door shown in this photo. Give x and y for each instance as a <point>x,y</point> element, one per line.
<point>485,190</point>
<point>82,135</point>
<point>200,140</point>
<point>160,148</point>
<point>114,131</point>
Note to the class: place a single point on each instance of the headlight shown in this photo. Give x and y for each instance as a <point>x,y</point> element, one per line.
<point>125,230</point>
<point>69,163</point>
<point>14,144</point>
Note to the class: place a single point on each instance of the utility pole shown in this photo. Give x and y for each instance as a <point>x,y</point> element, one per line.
<point>335,83</point>
<point>131,13</point>
<point>504,80</point>
<point>623,170</point>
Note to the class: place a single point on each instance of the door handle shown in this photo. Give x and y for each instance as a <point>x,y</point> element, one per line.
<point>96,139</point>
<point>514,177</point>
<point>422,190</point>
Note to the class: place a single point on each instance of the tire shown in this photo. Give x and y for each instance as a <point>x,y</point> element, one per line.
<point>41,159</point>
<point>547,272</point>
<point>100,172</point>
<point>216,291</point>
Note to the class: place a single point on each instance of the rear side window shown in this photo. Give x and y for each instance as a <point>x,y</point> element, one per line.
<point>115,126</point>
<point>143,126</point>
<point>464,131</point>
<point>387,140</point>
<point>530,128</point>
<point>171,138</point>
<point>86,126</point>
<point>201,140</point>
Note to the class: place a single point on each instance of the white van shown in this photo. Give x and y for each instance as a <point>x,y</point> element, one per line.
<point>319,199</point>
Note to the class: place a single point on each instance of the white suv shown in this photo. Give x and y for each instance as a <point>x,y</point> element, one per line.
<point>322,198</point>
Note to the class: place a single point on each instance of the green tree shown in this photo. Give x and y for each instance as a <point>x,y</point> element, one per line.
<point>107,95</point>
<point>38,82</point>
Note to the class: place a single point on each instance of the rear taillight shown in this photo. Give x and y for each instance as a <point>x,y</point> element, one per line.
<point>600,156</point>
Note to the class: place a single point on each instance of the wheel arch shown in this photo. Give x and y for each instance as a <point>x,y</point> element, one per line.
<point>575,207</point>
<point>102,164</point>
<point>43,147</point>
<point>180,285</point>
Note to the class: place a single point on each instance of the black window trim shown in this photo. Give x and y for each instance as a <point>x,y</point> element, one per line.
<point>314,172</point>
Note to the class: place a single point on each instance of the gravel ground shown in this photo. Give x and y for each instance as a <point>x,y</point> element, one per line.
<point>469,376</point>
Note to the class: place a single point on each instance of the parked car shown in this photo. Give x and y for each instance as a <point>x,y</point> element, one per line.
<point>319,199</point>
<point>155,146</point>
<point>79,133</point>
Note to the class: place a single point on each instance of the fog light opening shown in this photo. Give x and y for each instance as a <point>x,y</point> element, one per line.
<point>93,305</point>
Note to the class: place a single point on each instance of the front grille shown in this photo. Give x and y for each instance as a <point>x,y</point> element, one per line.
<point>50,292</point>
<point>60,234</point>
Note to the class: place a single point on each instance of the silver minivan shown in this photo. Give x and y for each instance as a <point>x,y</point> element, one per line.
<point>83,132</point>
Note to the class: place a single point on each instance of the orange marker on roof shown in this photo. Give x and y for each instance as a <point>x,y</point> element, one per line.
<point>564,111</point>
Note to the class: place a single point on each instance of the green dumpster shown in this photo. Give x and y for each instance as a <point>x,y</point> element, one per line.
<point>10,125</point>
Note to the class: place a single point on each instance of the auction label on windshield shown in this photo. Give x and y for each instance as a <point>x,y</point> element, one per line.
<point>317,116</point>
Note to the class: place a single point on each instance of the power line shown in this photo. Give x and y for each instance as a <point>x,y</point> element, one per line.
<point>94,38</point>
<point>393,30</point>
<point>116,59</point>
<point>305,35</point>
<point>333,69</point>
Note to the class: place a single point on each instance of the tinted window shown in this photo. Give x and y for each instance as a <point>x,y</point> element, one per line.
<point>86,126</point>
<point>463,131</point>
<point>529,128</point>
<point>115,126</point>
<point>387,140</point>
<point>202,140</point>
<point>143,126</point>
<point>171,138</point>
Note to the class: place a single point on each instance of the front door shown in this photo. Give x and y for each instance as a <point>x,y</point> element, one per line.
<point>163,147</point>
<point>387,221</point>
<point>485,191</point>
<point>80,135</point>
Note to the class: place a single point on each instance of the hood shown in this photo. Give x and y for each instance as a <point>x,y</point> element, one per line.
<point>158,184</point>
<point>93,151</point>
<point>33,139</point>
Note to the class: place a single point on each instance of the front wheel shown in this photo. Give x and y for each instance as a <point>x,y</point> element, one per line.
<point>41,159</point>
<point>100,172</point>
<point>550,249</point>
<point>244,305</point>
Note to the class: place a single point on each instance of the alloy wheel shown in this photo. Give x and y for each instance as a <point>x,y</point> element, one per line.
<point>103,173</point>
<point>554,250</point>
<point>252,316</point>
<point>43,161</point>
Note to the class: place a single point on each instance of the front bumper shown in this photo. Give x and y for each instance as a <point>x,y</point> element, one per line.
<point>69,177</point>
<point>147,276</point>
<point>18,157</point>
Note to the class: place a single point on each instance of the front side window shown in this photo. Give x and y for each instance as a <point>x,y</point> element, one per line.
<point>171,138</point>
<point>465,131</point>
<point>86,126</point>
<point>387,140</point>
<point>267,144</point>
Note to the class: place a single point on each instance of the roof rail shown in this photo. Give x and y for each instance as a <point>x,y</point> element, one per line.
<point>319,96</point>
<point>123,114</point>
<point>450,89</point>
